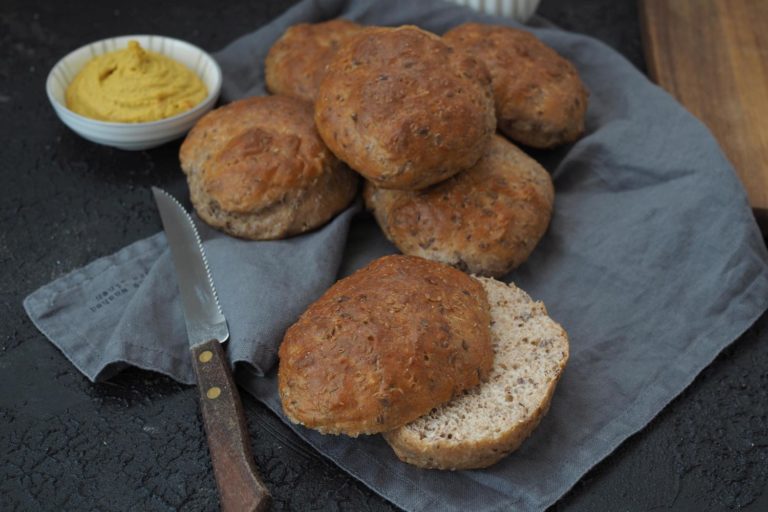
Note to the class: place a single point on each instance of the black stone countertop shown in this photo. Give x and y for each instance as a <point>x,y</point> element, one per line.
<point>136,442</point>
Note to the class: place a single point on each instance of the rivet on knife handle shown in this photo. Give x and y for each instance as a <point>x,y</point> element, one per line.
<point>240,488</point>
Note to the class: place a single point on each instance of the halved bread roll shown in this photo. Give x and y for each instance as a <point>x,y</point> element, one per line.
<point>489,421</point>
<point>384,346</point>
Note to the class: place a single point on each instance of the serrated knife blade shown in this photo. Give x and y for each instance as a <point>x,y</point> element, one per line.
<point>239,484</point>
<point>202,311</point>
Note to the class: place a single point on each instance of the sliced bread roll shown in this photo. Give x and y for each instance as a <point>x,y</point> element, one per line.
<point>384,346</point>
<point>487,422</point>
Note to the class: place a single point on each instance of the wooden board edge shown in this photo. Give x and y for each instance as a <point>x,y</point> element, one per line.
<point>648,37</point>
<point>761,216</point>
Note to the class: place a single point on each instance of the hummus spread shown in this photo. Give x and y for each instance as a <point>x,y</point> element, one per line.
<point>133,86</point>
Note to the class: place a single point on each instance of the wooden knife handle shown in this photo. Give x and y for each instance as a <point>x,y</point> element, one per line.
<point>240,487</point>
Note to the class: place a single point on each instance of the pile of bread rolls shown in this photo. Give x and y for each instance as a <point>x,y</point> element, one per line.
<point>455,370</point>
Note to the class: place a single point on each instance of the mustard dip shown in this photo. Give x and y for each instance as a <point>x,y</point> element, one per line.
<point>133,86</point>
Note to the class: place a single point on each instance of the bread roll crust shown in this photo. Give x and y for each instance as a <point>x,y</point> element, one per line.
<point>257,169</point>
<point>404,109</point>
<point>295,64</point>
<point>384,346</point>
<point>487,423</point>
<point>486,220</point>
<point>540,99</point>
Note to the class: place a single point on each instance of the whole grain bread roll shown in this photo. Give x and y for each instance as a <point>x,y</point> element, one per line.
<point>295,64</point>
<point>384,346</point>
<point>404,109</point>
<point>257,169</point>
<point>486,423</point>
<point>540,99</point>
<point>486,220</point>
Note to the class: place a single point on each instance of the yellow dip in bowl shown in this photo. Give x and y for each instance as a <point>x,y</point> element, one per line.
<point>134,86</point>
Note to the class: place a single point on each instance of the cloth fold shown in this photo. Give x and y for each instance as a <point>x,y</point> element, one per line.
<point>653,263</point>
<point>125,309</point>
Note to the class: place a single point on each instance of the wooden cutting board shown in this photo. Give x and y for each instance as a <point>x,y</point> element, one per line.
<point>712,55</point>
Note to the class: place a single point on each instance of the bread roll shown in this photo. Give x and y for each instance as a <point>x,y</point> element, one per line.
<point>295,64</point>
<point>257,169</point>
<point>404,109</point>
<point>540,99</point>
<point>485,220</point>
<point>488,422</point>
<point>385,346</point>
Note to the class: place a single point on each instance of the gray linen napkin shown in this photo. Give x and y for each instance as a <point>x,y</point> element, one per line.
<point>124,309</point>
<point>653,264</point>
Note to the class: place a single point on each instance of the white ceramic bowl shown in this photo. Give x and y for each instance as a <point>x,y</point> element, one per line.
<point>134,136</point>
<point>520,10</point>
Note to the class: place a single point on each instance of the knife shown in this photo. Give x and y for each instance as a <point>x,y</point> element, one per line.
<point>239,484</point>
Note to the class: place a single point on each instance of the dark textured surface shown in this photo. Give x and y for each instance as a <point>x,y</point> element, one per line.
<point>136,442</point>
